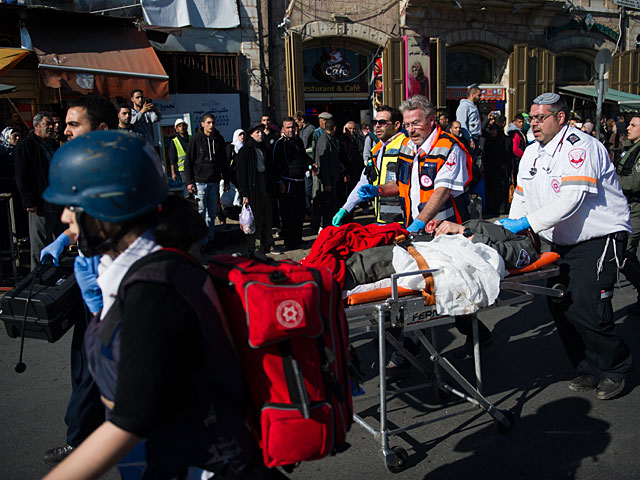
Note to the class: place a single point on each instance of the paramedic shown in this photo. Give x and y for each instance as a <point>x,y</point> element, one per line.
<point>432,170</point>
<point>431,173</point>
<point>153,361</point>
<point>569,193</point>
<point>387,125</point>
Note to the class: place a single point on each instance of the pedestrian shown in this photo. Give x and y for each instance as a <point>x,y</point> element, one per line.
<point>291,164</point>
<point>328,164</point>
<point>516,143</point>
<point>256,184</point>
<point>497,170</point>
<point>178,153</point>
<point>443,121</point>
<point>568,192</point>
<point>469,117</point>
<point>143,115</point>
<point>305,130</point>
<point>239,137</point>
<point>382,169</point>
<point>156,362</point>
<point>271,133</point>
<point>627,163</point>
<point>350,159</point>
<point>124,118</point>
<point>205,165</point>
<point>31,160</point>
<point>85,411</point>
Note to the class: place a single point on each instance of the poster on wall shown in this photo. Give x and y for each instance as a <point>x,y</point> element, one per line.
<point>377,82</point>
<point>417,66</point>
<point>224,106</point>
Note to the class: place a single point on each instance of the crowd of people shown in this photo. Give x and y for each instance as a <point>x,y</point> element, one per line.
<point>415,167</point>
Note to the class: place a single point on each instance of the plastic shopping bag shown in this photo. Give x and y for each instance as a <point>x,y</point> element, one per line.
<point>247,222</point>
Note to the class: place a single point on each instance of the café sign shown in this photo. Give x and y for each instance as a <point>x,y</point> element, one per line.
<point>334,69</point>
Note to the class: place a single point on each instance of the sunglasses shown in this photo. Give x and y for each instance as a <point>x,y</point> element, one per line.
<point>382,122</point>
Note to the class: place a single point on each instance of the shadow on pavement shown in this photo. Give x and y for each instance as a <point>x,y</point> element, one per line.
<point>548,444</point>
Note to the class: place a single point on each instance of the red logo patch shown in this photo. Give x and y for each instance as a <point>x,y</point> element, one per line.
<point>576,157</point>
<point>289,314</point>
<point>451,163</point>
<point>555,184</point>
<point>425,181</point>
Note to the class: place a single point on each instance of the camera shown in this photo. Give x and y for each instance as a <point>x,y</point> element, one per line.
<point>148,100</point>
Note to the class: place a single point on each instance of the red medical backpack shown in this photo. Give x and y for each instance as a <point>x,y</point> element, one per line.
<point>288,325</point>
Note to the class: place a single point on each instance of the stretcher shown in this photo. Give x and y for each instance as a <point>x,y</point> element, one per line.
<point>410,312</point>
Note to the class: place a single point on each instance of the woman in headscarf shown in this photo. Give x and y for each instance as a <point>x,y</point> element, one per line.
<point>233,148</point>
<point>256,184</point>
<point>9,138</point>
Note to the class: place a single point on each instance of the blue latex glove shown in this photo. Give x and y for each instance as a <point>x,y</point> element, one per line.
<point>416,225</point>
<point>515,225</point>
<point>86,271</point>
<point>337,218</point>
<point>55,248</point>
<point>367,192</point>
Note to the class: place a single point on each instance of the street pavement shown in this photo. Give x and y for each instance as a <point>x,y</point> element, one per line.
<point>558,434</point>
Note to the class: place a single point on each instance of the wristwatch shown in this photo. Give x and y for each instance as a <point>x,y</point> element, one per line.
<point>467,232</point>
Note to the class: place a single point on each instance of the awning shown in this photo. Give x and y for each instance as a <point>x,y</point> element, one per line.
<point>6,88</point>
<point>106,59</point>
<point>626,101</point>
<point>10,57</point>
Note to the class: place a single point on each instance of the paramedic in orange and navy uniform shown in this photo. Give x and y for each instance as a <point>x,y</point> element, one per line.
<point>432,171</point>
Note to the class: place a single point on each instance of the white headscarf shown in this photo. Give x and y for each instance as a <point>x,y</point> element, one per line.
<point>237,144</point>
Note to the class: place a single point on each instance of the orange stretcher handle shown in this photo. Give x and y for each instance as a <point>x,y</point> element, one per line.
<point>377,295</point>
<point>546,258</point>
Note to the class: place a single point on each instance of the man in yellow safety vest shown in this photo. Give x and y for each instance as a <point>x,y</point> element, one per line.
<point>178,152</point>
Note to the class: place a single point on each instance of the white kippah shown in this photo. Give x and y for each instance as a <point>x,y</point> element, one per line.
<point>546,99</point>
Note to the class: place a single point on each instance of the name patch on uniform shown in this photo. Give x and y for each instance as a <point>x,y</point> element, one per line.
<point>425,181</point>
<point>573,139</point>
<point>576,157</point>
<point>555,185</point>
<point>450,163</point>
<point>523,259</point>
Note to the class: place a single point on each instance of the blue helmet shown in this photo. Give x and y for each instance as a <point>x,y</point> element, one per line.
<point>111,175</point>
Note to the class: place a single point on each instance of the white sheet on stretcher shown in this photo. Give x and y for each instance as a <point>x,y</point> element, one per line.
<point>469,273</point>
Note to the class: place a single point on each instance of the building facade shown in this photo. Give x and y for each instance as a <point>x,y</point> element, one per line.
<point>513,50</point>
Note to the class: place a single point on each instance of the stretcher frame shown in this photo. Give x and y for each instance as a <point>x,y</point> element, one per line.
<point>410,314</point>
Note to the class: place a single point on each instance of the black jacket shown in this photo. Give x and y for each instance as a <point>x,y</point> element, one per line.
<point>206,160</point>
<point>290,159</point>
<point>32,157</point>
<point>247,171</point>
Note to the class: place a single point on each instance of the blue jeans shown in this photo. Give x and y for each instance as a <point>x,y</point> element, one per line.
<point>208,196</point>
<point>185,192</point>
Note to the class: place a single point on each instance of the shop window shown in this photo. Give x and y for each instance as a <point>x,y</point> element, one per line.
<point>466,68</point>
<point>572,70</point>
<point>201,73</point>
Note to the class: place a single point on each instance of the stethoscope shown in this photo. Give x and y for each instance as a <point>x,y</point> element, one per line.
<point>534,170</point>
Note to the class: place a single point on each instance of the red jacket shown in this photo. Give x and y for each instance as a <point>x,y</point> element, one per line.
<point>334,244</point>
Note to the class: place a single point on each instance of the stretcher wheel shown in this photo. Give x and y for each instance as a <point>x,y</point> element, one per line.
<point>401,460</point>
<point>506,427</point>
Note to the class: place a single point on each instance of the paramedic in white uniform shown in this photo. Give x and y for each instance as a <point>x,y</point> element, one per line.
<point>569,193</point>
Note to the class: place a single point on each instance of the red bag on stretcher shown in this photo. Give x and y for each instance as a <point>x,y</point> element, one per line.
<point>288,326</point>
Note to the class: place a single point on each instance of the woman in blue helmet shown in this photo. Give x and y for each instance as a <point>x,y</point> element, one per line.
<point>157,349</point>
